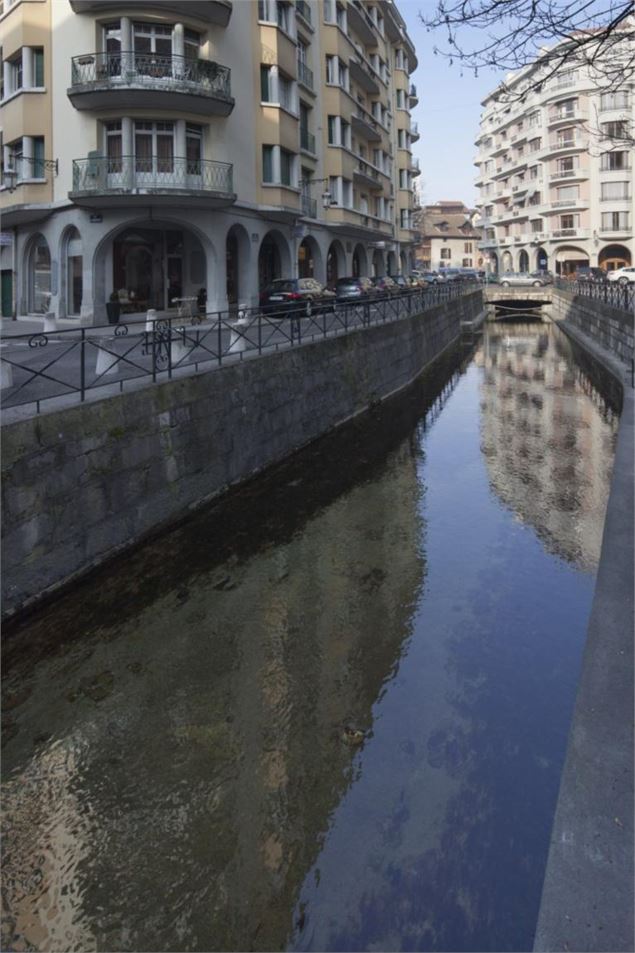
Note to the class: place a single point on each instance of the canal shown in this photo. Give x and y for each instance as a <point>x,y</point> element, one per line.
<point>331,711</point>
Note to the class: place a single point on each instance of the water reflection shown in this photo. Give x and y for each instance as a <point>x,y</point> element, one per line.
<point>548,453</point>
<point>175,771</point>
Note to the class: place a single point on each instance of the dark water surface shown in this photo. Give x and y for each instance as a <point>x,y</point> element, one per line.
<point>177,774</point>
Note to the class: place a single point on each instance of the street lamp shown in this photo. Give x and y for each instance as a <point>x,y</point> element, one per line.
<point>327,198</point>
<point>11,174</point>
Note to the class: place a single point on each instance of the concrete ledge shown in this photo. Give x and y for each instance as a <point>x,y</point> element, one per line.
<point>587,899</point>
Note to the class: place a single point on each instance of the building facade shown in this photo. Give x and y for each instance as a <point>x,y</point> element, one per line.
<point>448,237</point>
<point>153,150</point>
<point>556,171</point>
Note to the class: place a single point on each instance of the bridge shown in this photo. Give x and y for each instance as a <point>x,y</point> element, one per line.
<point>496,294</point>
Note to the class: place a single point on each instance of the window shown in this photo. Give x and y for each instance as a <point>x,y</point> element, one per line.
<point>467,247</point>
<point>567,164</point>
<point>614,130</point>
<point>336,72</point>
<point>267,163</point>
<point>401,99</point>
<point>467,263</point>
<point>340,15</point>
<point>154,147</point>
<point>567,194</point>
<point>347,193</point>
<point>403,179</point>
<point>39,275</point>
<point>277,88</point>
<point>615,221</point>
<point>446,253</point>
<point>565,109</point>
<point>614,190</point>
<point>617,100</point>
<point>15,74</point>
<point>286,167</point>
<point>332,130</point>
<point>286,93</point>
<point>534,119</point>
<point>114,145</point>
<point>192,45</point>
<point>404,216</point>
<point>536,225</point>
<point>329,11</point>
<point>614,160</point>
<point>193,148</point>
<point>278,12</point>
<point>569,222</point>
<point>334,189</point>
<point>346,133</point>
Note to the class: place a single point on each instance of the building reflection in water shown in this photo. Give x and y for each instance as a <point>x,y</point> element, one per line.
<point>170,774</point>
<point>549,455</point>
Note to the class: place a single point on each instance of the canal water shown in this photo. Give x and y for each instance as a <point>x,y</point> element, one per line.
<point>331,712</point>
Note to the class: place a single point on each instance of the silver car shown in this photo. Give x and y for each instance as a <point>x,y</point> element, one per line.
<point>518,279</point>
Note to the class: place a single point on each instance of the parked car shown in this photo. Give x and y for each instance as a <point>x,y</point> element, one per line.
<point>623,276</point>
<point>468,274</point>
<point>545,276</point>
<point>353,289</point>
<point>590,274</point>
<point>402,282</point>
<point>523,278</point>
<point>450,274</point>
<point>429,278</point>
<point>296,296</point>
<point>385,285</point>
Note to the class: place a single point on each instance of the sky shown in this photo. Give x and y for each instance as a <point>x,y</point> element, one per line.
<point>448,114</point>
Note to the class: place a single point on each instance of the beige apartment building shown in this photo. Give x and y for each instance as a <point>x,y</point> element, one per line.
<point>154,149</point>
<point>556,172</point>
<point>448,237</point>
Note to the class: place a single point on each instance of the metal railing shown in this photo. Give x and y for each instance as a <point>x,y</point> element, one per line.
<point>568,173</point>
<point>102,175</point>
<point>305,75</point>
<point>303,9</point>
<point>608,292</point>
<point>150,69</point>
<point>45,369</point>
<point>309,206</point>
<point>307,140</point>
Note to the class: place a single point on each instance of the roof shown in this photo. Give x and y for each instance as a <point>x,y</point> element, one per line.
<point>446,220</point>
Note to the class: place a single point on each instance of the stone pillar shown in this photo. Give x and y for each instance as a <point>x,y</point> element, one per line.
<point>127,48</point>
<point>179,148</point>
<point>127,150</point>
<point>178,50</point>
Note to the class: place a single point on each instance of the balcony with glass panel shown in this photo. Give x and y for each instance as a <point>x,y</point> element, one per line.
<point>412,95</point>
<point>162,179</point>
<point>216,12</point>
<point>128,80</point>
<point>414,131</point>
<point>362,75</point>
<point>365,125</point>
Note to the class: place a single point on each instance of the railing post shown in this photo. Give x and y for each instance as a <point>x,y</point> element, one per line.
<point>219,335</point>
<point>153,332</point>
<point>82,367</point>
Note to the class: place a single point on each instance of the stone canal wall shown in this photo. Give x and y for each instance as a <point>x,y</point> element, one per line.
<point>609,327</point>
<point>82,483</point>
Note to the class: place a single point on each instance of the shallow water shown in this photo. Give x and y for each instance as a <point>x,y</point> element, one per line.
<point>177,770</point>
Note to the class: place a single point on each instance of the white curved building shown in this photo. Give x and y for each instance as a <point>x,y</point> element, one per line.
<point>555,161</point>
<point>154,149</point>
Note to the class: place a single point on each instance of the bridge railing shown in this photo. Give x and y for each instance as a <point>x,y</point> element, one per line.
<point>44,369</point>
<point>621,296</point>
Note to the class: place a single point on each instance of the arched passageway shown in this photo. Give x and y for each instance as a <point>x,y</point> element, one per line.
<point>542,259</point>
<point>614,256</point>
<point>391,263</point>
<point>360,261</point>
<point>335,263</point>
<point>71,273</point>
<point>309,259</point>
<point>493,262</point>
<point>379,267</point>
<point>569,259</point>
<point>523,262</point>
<point>274,259</point>
<point>506,261</point>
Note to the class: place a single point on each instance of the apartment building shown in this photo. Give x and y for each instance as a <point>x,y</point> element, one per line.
<point>449,238</point>
<point>151,150</point>
<point>556,171</point>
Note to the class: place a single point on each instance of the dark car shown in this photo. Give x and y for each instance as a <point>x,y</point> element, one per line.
<point>385,285</point>
<point>298,296</point>
<point>468,274</point>
<point>403,283</point>
<point>590,274</point>
<point>450,274</point>
<point>354,289</point>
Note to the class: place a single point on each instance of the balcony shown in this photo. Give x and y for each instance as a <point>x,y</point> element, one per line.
<point>305,76</point>
<point>570,203</point>
<point>415,167</point>
<point>412,95</point>
<point>566,115</point>
<point>570,233</point>
<point>615,230</point>
<point>414,131</point>
<point>309,206</point>
<point>576,173</point>
<point>365,125</point>
<point>360,22</point>
<point>303,10</point>
<point>129,181</point>
<point>307,141</point>
<point>364,174</point>
<point>362,75</point>
<point>122,81</point>
<point>563,144</point>
<point>216,12</point>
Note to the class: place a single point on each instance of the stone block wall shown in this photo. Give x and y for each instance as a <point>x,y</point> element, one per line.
<point>82,483</point>
<point>608,326</point>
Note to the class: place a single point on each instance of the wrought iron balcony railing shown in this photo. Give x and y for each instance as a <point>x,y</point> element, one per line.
<point>101,175</point>
<point>151,70</point>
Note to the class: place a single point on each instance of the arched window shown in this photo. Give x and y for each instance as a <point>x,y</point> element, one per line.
<point>39,276</point>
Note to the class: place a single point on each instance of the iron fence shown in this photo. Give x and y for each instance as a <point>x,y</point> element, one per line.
<point>127,68</point>
<point>102,175</point>
<point>43,369</point>
<point>609,292</point>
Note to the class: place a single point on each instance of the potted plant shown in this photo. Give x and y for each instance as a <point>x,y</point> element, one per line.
<point>113,308</point>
